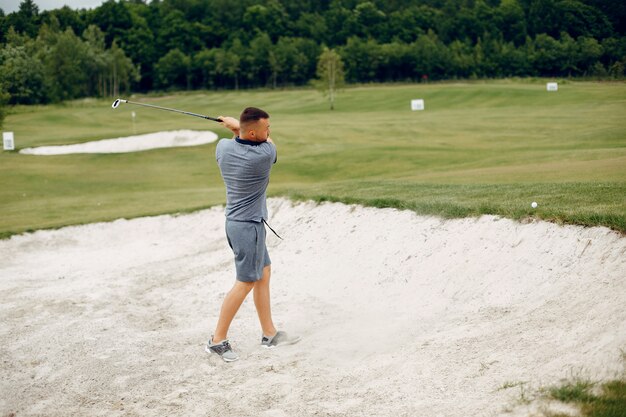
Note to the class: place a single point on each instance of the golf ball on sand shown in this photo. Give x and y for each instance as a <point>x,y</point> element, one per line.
<point>533,204</point>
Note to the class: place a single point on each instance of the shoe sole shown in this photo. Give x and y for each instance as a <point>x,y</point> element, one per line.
<point>292,342</point>
<point>207,350</point>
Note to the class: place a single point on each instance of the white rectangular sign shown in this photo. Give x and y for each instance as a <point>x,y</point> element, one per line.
<point>417,104</point>
<point>552,87</point>
<point>7,141</point>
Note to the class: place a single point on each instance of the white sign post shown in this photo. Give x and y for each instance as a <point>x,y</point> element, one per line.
<point>7,141</point>
<point>552,87</point>
<point>417,104</point>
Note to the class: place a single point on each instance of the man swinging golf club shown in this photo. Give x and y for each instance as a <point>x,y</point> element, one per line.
<point>245,163</point>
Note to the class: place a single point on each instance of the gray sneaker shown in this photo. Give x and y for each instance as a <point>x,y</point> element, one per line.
<point>223,349</point>
<point>279,339</point>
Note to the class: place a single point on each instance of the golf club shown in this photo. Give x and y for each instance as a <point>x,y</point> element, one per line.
<point>117,102</point>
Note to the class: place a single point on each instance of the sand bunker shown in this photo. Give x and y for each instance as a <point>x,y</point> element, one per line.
<point>130,144</point>
<point>400,315</point>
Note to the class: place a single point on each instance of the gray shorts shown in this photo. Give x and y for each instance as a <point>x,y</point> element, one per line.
<point>247,240</point>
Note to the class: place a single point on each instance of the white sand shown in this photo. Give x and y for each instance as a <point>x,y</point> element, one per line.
<point>401,315</point>
<point>130,144</point>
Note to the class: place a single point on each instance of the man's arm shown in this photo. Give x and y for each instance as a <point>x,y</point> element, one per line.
<point>230,123</point>
<point>275,151</point>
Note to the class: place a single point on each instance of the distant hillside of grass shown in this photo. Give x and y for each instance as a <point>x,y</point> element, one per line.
<point>477,148</point>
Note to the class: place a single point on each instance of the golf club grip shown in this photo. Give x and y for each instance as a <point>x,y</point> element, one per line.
<point>200,115</point>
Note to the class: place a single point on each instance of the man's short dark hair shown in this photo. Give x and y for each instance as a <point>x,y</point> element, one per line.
<point>252,114</point>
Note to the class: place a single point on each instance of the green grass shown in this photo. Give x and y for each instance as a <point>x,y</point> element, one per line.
<point>478,148</point>
<point>610,402</point>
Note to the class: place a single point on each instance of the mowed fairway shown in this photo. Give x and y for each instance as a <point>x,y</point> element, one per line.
<point>478,148</point>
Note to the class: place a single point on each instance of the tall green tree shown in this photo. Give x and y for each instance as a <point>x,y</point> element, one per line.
<point>370,22</point>
<point>98,62</point>
<point>311,26</point>
<point>407,24</point>
<point>65,58</point>
<point>579,19</point>
<point>398,61</point>
<point>139,45</point>
<point>66,17</point>
<point>215,68</point>
<point>512,21</point>
<point>178,33</point>
<point>229,65</point>
<point>238,53</point>
<point>547,55</point>
<point>20,71</point>
<point>22,75</point>
<point>262,62</point>
<point>589,51</point>
<point>296,60</point>
<point>270,18</point>
<point>26,20</point>
<point>4,99</point>
<point>614,50</point>
<point>173,70</point>
<point>113,18</point>
<point>203,69</point>
<point>431,56</point>
<point>4,27</point>
<point>330,74</point>
<point>341,24</point>
<point>615,11</point>
<point>363,59</point>
<point>122,71</point>
<point>461,59</point>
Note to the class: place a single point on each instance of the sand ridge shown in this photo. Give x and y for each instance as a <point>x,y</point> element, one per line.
<point>137,143</point>
<point>400,315</point>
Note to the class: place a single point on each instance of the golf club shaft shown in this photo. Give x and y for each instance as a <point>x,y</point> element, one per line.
<point>174,110</point>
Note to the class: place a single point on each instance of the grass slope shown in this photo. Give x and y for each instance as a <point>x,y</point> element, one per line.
<point>611,402</point>
<point>478,148</point>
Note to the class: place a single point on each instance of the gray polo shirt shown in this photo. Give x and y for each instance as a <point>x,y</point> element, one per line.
<point>245,168</point>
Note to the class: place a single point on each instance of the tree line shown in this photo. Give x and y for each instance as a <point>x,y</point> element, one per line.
<point>133,45</point>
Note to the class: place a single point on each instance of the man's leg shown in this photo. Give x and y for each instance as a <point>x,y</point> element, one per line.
<point>230,306</point>
<point>262,302</point>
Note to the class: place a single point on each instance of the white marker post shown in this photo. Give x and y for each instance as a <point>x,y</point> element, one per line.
<point>417,104</point>
<point>552,87</point>
<point>133,117</point>
<point>7,141</point>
